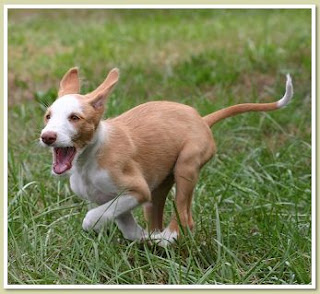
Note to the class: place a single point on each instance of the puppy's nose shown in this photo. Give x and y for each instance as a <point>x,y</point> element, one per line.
<point>49,137</point>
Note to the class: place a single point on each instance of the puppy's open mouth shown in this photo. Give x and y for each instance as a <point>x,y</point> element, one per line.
<point>62,159</point>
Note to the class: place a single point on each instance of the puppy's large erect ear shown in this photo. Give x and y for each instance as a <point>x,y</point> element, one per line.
<point>98,96</point>
<point>70,83</point>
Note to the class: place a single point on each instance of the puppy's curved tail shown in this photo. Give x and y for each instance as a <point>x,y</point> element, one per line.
<point>216,116</point>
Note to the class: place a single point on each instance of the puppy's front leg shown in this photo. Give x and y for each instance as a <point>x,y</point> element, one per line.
<point>97,217</point>
<point>129,227</point>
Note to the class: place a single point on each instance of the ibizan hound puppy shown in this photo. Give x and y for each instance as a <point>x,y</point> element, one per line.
<point>135,158</point>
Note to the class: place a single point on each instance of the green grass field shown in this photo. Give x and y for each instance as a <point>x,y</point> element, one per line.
<point>252,204</point>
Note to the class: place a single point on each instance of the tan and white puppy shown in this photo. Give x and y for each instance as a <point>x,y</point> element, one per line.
<point>135,158</point>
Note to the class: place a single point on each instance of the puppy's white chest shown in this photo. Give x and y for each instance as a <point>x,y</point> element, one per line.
<point>93,184</point>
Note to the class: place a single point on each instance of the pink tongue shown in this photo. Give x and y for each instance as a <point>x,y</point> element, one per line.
<point>63,159</point>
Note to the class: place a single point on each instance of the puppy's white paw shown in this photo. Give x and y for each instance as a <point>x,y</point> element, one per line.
<point>164,238</point>
<point>92,221</point>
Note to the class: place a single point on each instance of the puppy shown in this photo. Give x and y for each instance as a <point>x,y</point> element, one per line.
<point>135,158</point>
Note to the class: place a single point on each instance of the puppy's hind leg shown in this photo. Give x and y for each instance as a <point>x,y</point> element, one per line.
<point>186,175</point>
<point>153,210</point>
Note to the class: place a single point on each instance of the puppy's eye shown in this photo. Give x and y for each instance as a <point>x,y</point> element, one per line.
<point>74,117</point>
<point>48,116</point>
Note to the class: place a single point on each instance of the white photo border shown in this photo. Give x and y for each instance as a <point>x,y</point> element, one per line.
<point>7,7</point>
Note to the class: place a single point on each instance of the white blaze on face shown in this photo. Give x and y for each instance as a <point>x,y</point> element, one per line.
<point>59,123</point>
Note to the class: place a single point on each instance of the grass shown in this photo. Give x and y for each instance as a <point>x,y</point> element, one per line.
<point>252,205</point>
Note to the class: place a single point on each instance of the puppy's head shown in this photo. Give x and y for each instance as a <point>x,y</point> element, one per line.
<point>72,120</point>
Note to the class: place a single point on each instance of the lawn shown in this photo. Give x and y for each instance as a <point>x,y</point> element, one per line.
<point>252,204</point>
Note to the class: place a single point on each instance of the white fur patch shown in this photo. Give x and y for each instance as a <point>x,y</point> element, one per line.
<point>93,184</point>
<point>165,238</point>
<point>59,123</point>
<point>288,95</point>
<point>87,179</point>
